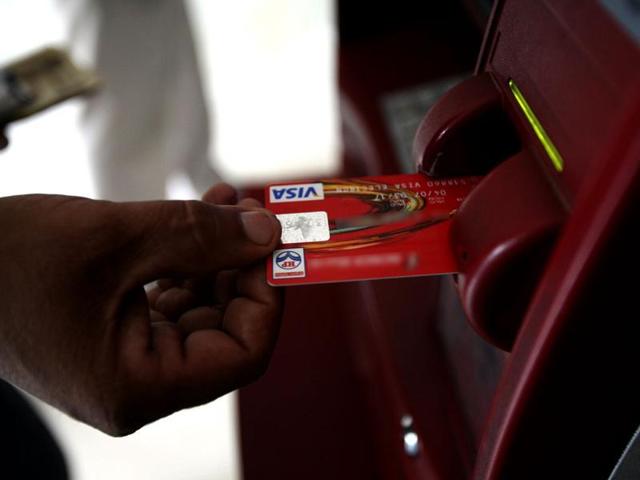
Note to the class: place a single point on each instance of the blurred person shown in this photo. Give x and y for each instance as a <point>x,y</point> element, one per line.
<point>150,119</point>
<point>80,331</point>
<point>269,64</point>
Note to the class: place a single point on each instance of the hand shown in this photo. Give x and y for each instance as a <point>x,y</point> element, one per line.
<point>78,329</point>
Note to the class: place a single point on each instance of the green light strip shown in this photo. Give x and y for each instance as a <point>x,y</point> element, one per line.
<point>547,144</point>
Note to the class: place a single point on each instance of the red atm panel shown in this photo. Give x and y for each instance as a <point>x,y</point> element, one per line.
<point>523,365</point>
<point>566,404</point>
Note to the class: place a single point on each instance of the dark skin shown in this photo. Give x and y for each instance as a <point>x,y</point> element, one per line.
<point>79,330</point>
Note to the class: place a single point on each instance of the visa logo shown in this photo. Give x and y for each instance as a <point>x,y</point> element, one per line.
<point>302,192</point>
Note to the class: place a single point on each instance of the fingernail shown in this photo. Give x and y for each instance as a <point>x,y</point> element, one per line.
<point>258,226</point>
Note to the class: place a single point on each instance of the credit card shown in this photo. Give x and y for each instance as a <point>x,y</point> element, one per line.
<point>367,228</point>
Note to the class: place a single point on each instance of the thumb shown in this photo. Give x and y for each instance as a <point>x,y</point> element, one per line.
<point>174,238</point>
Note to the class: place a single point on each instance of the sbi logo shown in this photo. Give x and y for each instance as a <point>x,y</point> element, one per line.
<point>296,193</point>
<point>288,259</point>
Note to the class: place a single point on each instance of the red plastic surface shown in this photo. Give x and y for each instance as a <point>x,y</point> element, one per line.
<point>466,132</point>
<point>501,236</point>
<point>505,229</point>
<point>566,403</point>
<point>577,68</point>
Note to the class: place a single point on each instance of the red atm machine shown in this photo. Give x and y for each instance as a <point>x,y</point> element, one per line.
<point>525,365</point>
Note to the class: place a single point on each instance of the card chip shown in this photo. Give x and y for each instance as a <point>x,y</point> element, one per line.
<point>304,227</point>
